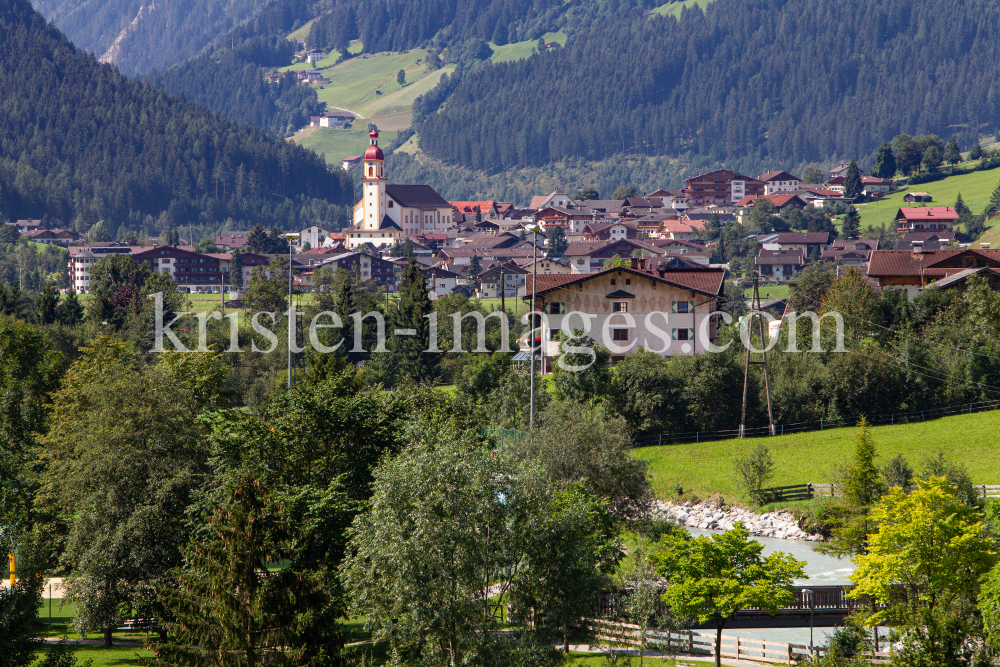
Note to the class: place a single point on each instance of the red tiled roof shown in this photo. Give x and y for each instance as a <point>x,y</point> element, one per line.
<point>888,263</point>
<point>707,281</point>
<point>471,206</point>
<point>923,213</point>
<point>777,176</point>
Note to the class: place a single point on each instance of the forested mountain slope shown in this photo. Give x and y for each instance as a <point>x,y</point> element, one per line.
<point>141,35</point>
<point>79,143</point>
<point>751,83</point>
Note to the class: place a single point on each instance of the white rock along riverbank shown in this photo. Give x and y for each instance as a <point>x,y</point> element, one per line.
<point>709,515</point>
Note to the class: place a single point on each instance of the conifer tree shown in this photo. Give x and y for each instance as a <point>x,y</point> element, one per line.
<point>960,207</point>
<point>852,181</point>
<point>475,268</point>
<point>885,162</point>
<point>229,609</point>
<point>70,310</point>
<point>851,227</point>
<point>976,152</point>
<point>993,205</point>
<point>412,351</point>
<point>952,155</point>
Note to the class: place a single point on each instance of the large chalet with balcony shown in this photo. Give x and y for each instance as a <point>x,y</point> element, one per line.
<point>722,186</point>
<point>644,303</point>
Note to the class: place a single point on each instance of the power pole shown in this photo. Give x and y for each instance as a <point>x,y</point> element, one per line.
<point>503,307</point>
<point>755,314</point>
<point>531,324</point>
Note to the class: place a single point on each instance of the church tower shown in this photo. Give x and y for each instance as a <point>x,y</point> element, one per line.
<point>373,183</point>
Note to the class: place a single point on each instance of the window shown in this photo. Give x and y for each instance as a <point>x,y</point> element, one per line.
<point>619,334</point>
<point>370,171</point>
<point>554,308</point>
<point>553,334</point>
<point>682,306</point>
<point>682,334</point>
<point>390,203</point>
<point>614,282</point>
<point>628,281</point>
<point>619,306</point>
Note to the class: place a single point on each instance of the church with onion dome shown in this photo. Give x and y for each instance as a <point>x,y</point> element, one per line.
<point>388,213</point>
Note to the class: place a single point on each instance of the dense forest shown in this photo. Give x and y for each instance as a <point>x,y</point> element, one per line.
<point>138,35</point>
<point>749,83</point>
<point>81,143</point>
<point>232,80</point>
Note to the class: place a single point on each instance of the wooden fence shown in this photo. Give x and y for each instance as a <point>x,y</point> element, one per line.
<point>776,494</point>
<point>703,643</point>
<point>811,490</point>
<point>826,601</point>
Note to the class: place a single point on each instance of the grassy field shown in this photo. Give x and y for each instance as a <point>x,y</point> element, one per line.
<point>104,657</point>
<point>975,188</point>
<point>768,292</point>
<point>972,440</point>
<point>353,86</point>
<point>674,8</point>
<point>330,60</point>
<point>339,144</point>
<point>522,50</point>
<point>301,33</point>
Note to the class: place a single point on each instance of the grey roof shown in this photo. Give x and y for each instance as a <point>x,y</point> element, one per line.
<point>962,275</point>
<point>417,196</point>
<point>388,223</point>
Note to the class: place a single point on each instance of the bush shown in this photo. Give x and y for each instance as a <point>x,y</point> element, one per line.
<point>753,470</point>
<point>898,472</point>
<point>955,473</point>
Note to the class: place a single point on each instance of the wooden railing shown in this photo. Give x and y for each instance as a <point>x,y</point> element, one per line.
<point>691,642</point>
<point>808,491</point>
<point>811,490</point>
<point>827,601</point>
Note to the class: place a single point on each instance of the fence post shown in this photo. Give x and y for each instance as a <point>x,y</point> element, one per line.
<point>691,642</point>
<point>821,424</point>
<point>790,655</point>
<point>697,435</point>
<point>661,440</point>
<point>737,647</point>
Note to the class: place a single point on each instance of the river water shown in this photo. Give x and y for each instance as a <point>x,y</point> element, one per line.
<point>821,570</point>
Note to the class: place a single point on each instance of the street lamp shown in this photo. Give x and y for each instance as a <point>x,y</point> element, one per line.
<point>291,324</point>
<point>531,330</point>
<point>809,599</point>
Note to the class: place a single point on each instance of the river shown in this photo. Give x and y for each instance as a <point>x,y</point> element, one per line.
<point>821,570</point>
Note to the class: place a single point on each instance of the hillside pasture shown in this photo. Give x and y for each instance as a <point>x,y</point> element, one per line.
<point>707,468</point>
<point>975,188</point>
<point>674,8</point>
<point>338,144</point>
<point>521,50</point>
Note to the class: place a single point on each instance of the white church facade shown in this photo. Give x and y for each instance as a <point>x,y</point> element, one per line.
<point>387,213</point>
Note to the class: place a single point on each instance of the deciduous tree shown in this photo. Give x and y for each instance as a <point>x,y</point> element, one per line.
<point>928,542</point>
<point>713,578</point>
<point>123,453</point>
